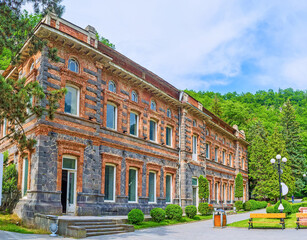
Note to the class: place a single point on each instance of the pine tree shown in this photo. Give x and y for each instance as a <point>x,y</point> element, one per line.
<point>239,186</point>
<point>16,96</point>
<point>276,145</point>
<point>258,162</point>
<point>291,134</point>
<point>216,107</point>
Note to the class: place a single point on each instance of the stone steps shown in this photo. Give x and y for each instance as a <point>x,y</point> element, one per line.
<point>93,227</point>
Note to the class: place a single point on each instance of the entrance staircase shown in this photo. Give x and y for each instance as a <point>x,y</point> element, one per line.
<point>80,228</point>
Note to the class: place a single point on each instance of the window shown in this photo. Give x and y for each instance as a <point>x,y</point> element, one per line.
<point>73,65</point>
<point>168,190</point>
<point>25,172</point>
<point>152,187</point>
<point>207,150</point>
<point>223,141</point>
<point>169,113</point>
<point>215,137</point>
<point>31,102</point>
<point>153,105</point>
<point>153,131</point>
<point>207,132</point>
<point>20,74</point>
<point>134,96</point>
<point>4,126</point>
<point>132,190</point>
<point>216,154</point>
<point>230,192</point>
<point>230,160</point>
<point>72,100</point>
<point>112,86</point>
<point>109,184</point>
<point>194,123</point>
<point>169,136</point>
<point>194,147</point>
<point>111,116</point>
<point>133,124</point>
<point>216,192</point>
<point>194,191</point>
<point>242,163</point>
<point>31,66</point>
<point>223,157</point>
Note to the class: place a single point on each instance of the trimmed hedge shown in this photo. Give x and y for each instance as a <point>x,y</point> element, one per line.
<point>239,205</point>
<point>157,214</point>
<point>135,216</point>
<point>287,207</point>
<point>270,209</point>
<point>304,199</point>
<point>247,206</point>
<point>296,206</point>
<point>173,211</point>
<point>203,208</point>
<point>190,211</point>
<point>254,205</point>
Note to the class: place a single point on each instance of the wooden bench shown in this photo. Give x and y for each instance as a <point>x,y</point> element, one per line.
<point>280,216</point>
<point>301,218</point>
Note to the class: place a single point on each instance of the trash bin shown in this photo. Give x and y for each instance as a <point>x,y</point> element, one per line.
<point>219,218</point>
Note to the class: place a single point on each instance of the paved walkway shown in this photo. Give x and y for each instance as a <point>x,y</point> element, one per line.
<point>202,230</point>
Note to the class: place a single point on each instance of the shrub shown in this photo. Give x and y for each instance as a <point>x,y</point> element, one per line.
<point>135,216</point>
<point>157,214</point>
<point>247,206</point>
<point>203,188</point>
<point>295,207</point>
<point>190,211</point>
<point>203,208</point>
<point>239,205</point>
<point>173,211</point>
<point>287,207</point>
<point>304,199</point>
<point>270,209</point>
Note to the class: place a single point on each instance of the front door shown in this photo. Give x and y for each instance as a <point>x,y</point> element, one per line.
<point>68,196</point>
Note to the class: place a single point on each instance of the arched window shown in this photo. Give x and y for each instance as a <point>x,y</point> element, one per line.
<point>194,123</point>
<point>207,132</point>
<point>31,64</point>
<point>134,96</point>
<point>169,113</point>
<point>73,65</point>
<point>153,105</point>
<point>112,86</point>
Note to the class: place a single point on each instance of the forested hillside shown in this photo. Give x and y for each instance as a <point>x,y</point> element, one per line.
<point>274,122</point>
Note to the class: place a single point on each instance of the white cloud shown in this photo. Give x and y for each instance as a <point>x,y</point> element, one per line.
<point>183,41</point>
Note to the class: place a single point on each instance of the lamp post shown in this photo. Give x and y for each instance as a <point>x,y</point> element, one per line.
<point>279,166</point>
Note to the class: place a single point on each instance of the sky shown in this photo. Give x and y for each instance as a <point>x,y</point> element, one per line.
<point>205,45</point>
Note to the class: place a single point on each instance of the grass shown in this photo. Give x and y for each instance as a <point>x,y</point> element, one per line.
<point>12,223</point>
<point>289,221</point>
<point>167,222</point>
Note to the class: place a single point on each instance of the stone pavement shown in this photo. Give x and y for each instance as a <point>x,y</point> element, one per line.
<point>202,230</point>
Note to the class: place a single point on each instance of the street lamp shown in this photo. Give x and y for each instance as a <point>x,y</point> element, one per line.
<point>279,166</point>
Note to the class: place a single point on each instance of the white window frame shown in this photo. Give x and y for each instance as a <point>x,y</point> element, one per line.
<point>136,96</point>
<point>171,188</point>
<point>171,136</point>
<point>114,184</point>
<point>114,86</point>
<point>156,128</point>
<point>155,105</point>
<point>155,188</point>
<point>115,120</point>
<point>137,124</point>
<point>169,113</point>
<point>4,126</point>
<point>78,66</point>
<point>194,154</point>
<point>23,178</point>
<point>137,184</point>
<point>195,186</point>
<point>208,150</point>
<point>78,100</point>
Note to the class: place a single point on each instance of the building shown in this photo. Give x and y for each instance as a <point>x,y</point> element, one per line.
<point>122,137</point>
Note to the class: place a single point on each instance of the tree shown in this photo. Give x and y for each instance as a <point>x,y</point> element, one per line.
<point>216,107</point>
<point>105,41</point>
<point>291,134</point>
<point>17,97</point>
<point>203,191</point>
<point>239,186</point>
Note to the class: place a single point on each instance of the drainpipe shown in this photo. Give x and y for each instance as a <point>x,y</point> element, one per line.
<point>179,120</point>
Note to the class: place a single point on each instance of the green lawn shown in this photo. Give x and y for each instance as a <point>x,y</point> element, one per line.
<point>289,221</point>
<point>167,222</point>
<point>12,223</point>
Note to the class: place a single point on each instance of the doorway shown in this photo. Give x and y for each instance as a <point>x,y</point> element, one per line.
<point>195,191</point>
<point>68,195</point>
